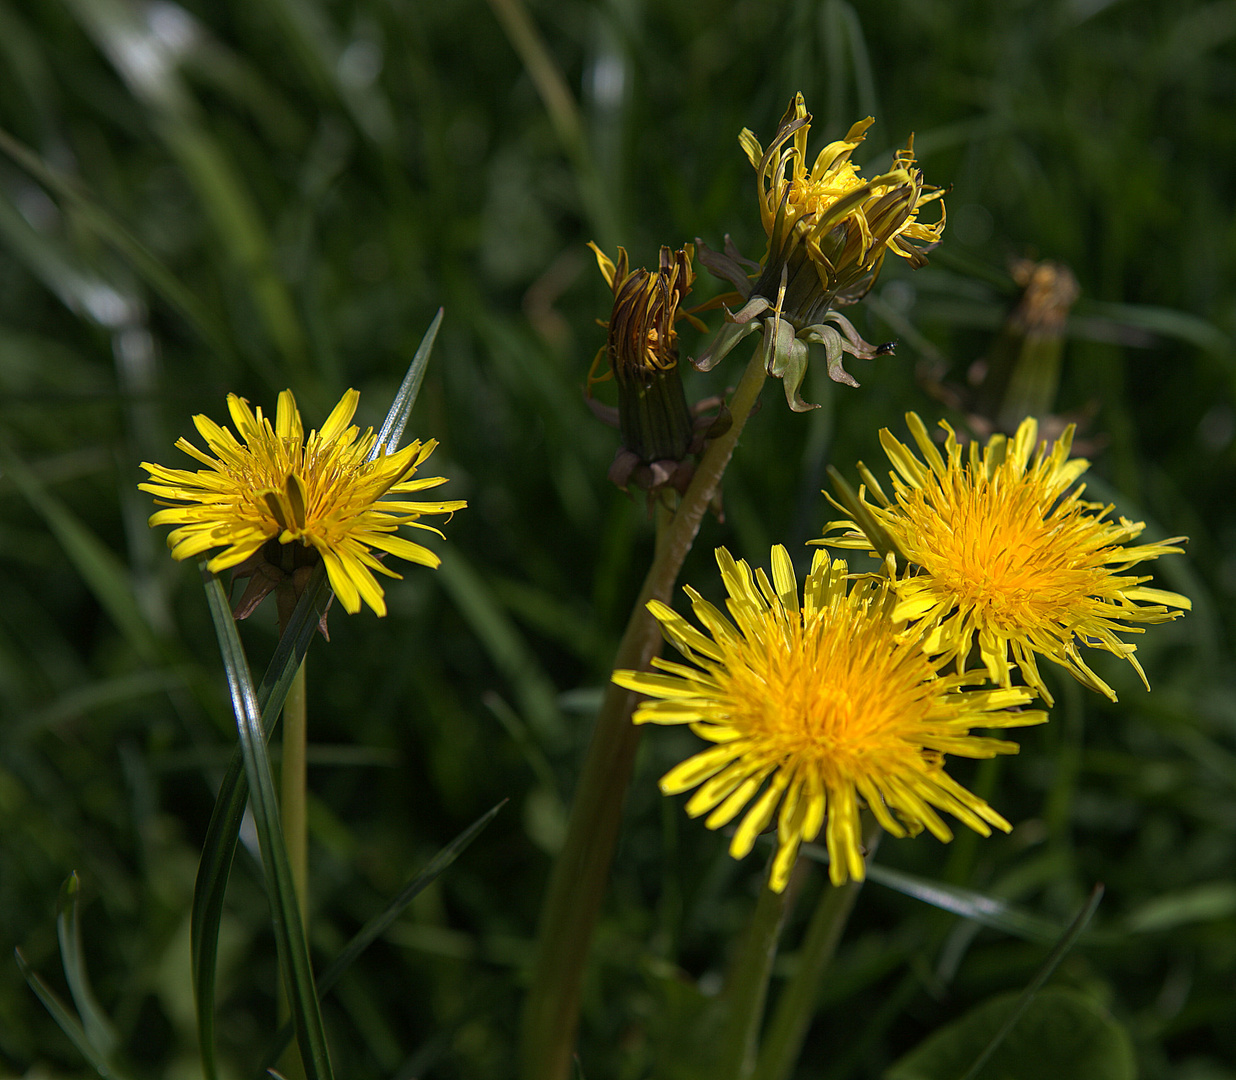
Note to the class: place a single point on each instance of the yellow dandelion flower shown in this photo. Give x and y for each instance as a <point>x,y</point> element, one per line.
<point>844,225</point>
<point>1003,549</point>
<point>328,494</point>
<point>827,706</point>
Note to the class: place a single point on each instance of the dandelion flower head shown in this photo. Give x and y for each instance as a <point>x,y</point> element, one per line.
<point>845,223</point>
<point>1002,548</point>
<point>329,493</point>
<point>828,230</point>
<point>815,710</point>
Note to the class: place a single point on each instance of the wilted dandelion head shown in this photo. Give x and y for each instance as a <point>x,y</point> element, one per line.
<point>827,214</point>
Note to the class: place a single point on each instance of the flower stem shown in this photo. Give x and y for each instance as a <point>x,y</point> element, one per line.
<point>796,1005</point>
<point>293,737</point>
<point>581,870</point>
<point>292,788</point>
<point>747,986</point>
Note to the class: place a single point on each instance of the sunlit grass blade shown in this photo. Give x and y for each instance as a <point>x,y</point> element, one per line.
<point>842,33</point>
<point>990,911</point>
<point>223,833</point>
<point>563,111</point>
<point>78,287</point>
<point>97,1028</point>
<point>68,1023</point>
<point>127,39</point>
<point>1041,976</point>
<point>307,35</point>
<point>381,922</point>
<point>285,912</point>
<point>146,264</point>
<point>396,420</point>
<point>1209,902</point>
<point>1163,322</point>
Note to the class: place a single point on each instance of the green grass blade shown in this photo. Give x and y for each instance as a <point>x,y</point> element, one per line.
<point>97,1028</point>
<point>401,408</point>
<point>209,888</point>
<point>988,910</point>
<point>239,226</point>
<point>1163,322</point>
<point>285,913</point>
<point>109,229</point>
<point>1041,976</point>
<point>506,646</point>
<point>380,923</point>
<point>98,566</point>
<point>69,1024</point>
<point>223,833</point>
<point>123,35</point>
<point>79,288</point>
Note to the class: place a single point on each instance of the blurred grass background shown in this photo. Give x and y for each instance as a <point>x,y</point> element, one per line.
<point>198,198</point>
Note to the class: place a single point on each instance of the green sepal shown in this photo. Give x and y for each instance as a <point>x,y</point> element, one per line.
<point>860,514</point>
<point>786,359</point>
<point>730,334</point>
<point>834,349</point>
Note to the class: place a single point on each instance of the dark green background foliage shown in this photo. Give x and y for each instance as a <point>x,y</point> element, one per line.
<point>244,196</point>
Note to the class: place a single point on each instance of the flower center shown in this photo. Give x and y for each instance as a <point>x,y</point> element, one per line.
<point>830,693</point>
<point>815,196</point>
<point>994,549</point>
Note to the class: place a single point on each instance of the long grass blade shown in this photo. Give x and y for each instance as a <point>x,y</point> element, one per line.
<point>1041,976</point>
<point>987,910</point>
<point>91,558</point>
<point>124,36</point>
<point>380,923</point>
<point>285,912</point>
<point>109,229</point>
<point>68,1023</point>
<point>97,1027</point>
<point>223,833</point>
<point>396,420</point>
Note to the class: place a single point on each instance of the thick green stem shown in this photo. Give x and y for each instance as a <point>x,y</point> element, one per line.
<point>796,1006</point>
<point>581,871</point>
<point>747,987</point>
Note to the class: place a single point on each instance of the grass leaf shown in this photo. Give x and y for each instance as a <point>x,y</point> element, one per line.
<point>285,912</point>
<point>222,835</point>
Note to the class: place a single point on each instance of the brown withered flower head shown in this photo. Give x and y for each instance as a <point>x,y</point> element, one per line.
<point>659,430</point>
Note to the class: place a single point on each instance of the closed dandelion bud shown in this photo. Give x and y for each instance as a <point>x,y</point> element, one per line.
<point>641,353</point>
